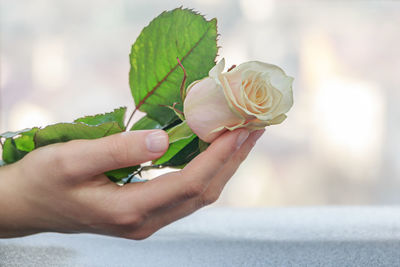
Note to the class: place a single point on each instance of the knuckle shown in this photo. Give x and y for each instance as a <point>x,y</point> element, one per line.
<point>223,159</point>
<point>210,198</point>
<point>240,157</point>
<point>130,220</point>
<point>139,235</point>
<point>61,162</point>
<point>194,189</point>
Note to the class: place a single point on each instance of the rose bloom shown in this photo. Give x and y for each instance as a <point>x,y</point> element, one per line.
<point>252,95</point>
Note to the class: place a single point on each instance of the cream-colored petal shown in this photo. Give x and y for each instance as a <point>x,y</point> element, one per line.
<point>230,128</point>
<point>253,95</point>
<point>284,85</point>
<point>275,98</point>
<point>235,106</point>
<point>206,109</point>
<point>278,119</point>
<point>233,79</point>
<point>278,79</point>
<point>240,109</point>
<point>254,124</point>
<point>192,84</point>
<point>257,125</point>
<point>217,69</point>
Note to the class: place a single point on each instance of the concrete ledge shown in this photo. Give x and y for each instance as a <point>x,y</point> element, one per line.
<point>325,236</point>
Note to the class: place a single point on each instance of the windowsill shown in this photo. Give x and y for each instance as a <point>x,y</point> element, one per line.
<point>312,236</point>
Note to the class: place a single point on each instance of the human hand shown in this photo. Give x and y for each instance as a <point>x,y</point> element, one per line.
<point>62,188</point>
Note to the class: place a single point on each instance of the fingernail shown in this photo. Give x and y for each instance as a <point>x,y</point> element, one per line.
<point>156,141</point>
<point>241,138</point>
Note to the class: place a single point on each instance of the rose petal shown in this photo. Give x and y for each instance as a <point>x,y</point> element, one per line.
<point>217,69</point>
<point>233,103</point>
<point>279,80</point>
<point>206,109</point>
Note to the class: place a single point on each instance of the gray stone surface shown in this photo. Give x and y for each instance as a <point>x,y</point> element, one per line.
<point>325,236</point>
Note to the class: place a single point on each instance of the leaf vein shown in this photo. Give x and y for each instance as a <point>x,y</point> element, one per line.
<point>171,71</point>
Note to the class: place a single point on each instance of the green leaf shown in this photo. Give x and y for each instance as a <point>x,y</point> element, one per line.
<point>179,137</point>
<point>25,141</point>
<point>203,145</point>
<point>174,149</point>
<point>146,123</point>
<point>155,76</point>
<point>178,132</point>
<point>118,115</point>
<point>63,132</point>
<point>185,155</point>
<point>18,144</point>
<point>177,112</point>
<point>14,134</point>
<point>117,175</point>
<point>10,152</point>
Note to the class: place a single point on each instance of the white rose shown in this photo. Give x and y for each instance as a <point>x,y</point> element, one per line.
<point>252,95</point>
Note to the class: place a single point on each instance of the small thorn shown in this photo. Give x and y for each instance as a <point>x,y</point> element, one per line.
<point>231,68</point>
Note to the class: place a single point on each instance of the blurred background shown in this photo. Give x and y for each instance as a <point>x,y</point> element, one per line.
<point>340,144</point>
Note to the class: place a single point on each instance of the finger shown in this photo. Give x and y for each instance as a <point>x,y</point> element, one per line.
<point>213,191</point>
<point>225,174</point>
<point>92,157</point>
<point>190,182</point>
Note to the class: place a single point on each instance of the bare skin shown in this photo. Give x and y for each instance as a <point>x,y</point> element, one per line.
<point>62,188</point>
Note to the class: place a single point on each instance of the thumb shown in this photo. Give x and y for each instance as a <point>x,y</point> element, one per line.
<point>92,157</point>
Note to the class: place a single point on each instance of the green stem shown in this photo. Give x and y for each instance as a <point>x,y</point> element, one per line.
<point>143,168</point>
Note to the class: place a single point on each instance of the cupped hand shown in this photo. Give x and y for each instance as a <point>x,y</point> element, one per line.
<point>62,188</point>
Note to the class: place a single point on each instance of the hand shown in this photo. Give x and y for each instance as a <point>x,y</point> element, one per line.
<point>62,188</point>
